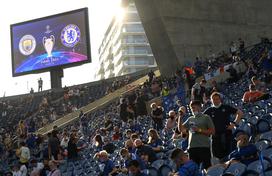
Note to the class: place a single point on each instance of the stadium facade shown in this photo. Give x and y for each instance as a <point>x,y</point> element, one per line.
<point>125,48</point>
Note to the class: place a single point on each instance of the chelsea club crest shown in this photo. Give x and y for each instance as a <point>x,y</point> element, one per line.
<point>27,45</point>
<point>70,35</point>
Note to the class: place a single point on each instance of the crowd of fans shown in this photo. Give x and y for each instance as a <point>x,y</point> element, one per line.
<point>130,137</point>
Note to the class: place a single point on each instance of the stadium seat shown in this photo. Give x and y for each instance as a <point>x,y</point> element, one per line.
<point>257,166</point>
<point>267,135</point>
<point>157,164</point>
<point>237,169</point>
<point>267,153</point>
<point>151,171</point>
<point>215,170</point>
<point>263,126</point>
<point>262,144</point>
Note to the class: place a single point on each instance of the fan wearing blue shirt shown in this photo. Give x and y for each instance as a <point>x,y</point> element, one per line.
<point>186,167</point>
<point>134,168</point>
<point>107,166</point>
<point>127,157</point>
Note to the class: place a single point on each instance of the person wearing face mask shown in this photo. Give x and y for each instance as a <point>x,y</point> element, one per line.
<point>221,117</point>
<point>200,127</point>
<point>245,152</point>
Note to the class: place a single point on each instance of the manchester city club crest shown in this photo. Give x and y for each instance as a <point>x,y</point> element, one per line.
<point>27,45</point>
<point>70,35</point>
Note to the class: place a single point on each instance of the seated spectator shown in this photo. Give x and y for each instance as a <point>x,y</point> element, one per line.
<point>134,127</point>
<point>106,163</point>
<point>130,146</point>
<point>245,152</point>
<point>54,171</point>
<point>154,140</point>
<point>98,142</point>
<point>128,133</point>
<point>108,145</point>
<point>134,168</point>
<point>171,121</point>
<point>116,135</point>
<point>144,151</point>
<point>127,157</point>
<point>260,86</point>
<point>185,166</point>
<point>252,95</point>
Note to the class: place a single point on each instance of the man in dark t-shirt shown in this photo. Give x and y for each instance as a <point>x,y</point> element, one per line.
<point>144,151</point>
<point>221,117</point>
<point>157,116</point>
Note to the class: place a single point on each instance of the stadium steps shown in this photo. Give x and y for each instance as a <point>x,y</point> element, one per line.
<point>92,107</point>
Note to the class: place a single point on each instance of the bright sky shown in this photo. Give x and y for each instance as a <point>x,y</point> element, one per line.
<point>14,11</point>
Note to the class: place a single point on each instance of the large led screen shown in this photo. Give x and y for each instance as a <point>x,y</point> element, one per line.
<point>60,40</point>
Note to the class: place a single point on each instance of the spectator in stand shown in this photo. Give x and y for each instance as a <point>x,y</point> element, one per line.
<point>151,75</point>
<point>252,95</point>
<point>234,77</point>
<point>53,145</point>
<point>141,104</point>
<point>157,116</point>
<point>22,130</point>
<point>251,71</point>
<point>171,122</point>
<point>260,86</point>
<point>245,152</point>
<point>23,153</point>
<point>127,157</point>
<point>108,145</point>
<point>199,91</point>
<point>185,166</point>
<point>72,148</point>
<point>145,152</point>
<point>241,45</point>
<point>54,171</point>
<point>198,67</point>
<point>134,127</point>
<point>40,85</point>
<point>98,142</point>
<point>106,163</point>
<point>154,140</point>
<point>165,91</point>
<point>233,48</point>
<point>123,111</point>
<point>155,88</point>
<point>221,117</point>
<point>200,127</point>
<point>117,135</point>
<point>130,146</point>
<point>108,123</point>
<point>135,169</point>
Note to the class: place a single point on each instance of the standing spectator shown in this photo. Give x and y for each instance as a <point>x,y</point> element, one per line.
<point>53,145</point>
<point>171,121</point>
<point>220,115</point>
<point>200,128</point>
<point>141,104</point>
<point>185,166</point>
<point>23,153</point>
<point>151,75</point>
<point>157,116</point>
<point>199,91</point>
<point>54,171</point>
<point>241,45</point>
<point>72,148</point>
<point>40,85</point>
<point>123,111</point>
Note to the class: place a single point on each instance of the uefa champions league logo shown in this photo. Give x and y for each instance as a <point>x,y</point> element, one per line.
<point>27,45</point>
<point>70,35</point>
<point>48,44</point>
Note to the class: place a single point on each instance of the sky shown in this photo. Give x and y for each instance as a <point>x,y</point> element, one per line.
<point>14,11</point>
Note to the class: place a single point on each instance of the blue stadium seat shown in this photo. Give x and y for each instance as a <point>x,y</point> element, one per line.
<point>157,164</point>
<point>267,135</point>
<point>215,170</point>
<point>165,170</point>
<point>237,169</point>
<point>263,126</point>
<point>257,166</point>
<point>151,171</point>
<point>267,153</point>
<point>262,144</point>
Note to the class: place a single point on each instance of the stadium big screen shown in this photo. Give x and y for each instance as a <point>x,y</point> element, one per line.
<point>60,40</point>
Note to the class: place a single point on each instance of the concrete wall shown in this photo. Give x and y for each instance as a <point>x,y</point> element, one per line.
<point>180,30</point>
